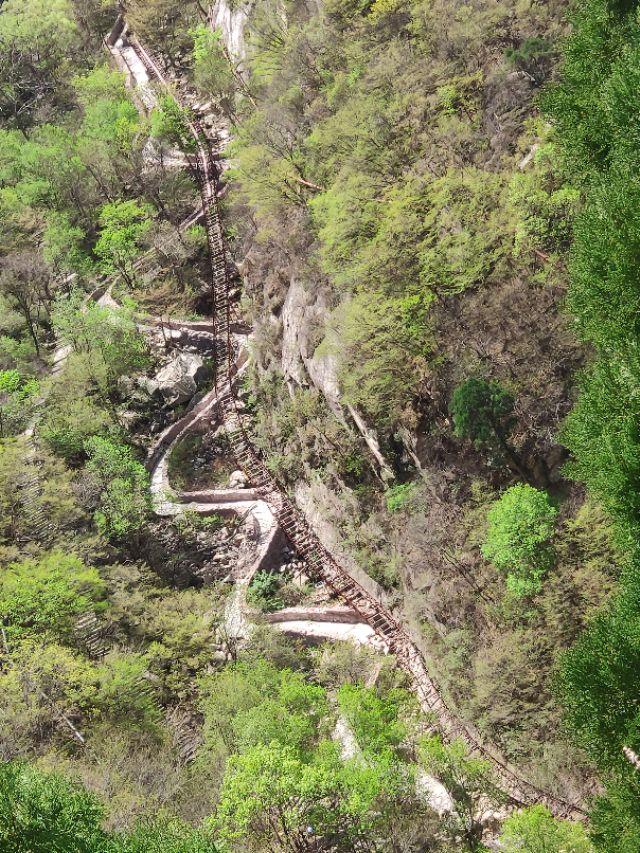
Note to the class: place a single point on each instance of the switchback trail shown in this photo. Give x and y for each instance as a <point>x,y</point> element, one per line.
<point>320,563</point>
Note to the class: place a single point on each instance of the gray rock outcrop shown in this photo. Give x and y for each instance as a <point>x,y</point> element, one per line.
<point>178,380</point>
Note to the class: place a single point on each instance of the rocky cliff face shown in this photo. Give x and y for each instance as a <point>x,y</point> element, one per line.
<point>230,19</point>
<point>297,310</point>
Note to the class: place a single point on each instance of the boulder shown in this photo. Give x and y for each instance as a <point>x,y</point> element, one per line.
<point>178,380</point>
<point>238,480</point>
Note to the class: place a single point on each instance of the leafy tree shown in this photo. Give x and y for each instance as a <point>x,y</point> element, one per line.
<point>20,509</point>
<point>483,412</point>
<point>163,24</point>
<point>213,75</point>
<point>384,348</point>
<point>125,500</point>
<point>521,524</point>
<point>46,596</point>
<point>74,411</point>
<point>592,108</point>
<point>63,250</point>
<point>182,630</point>
<point>270,796</point>
<point>252,703</point>
<point>467,780</point>
<point>373,719</point>
<point>106,339</point>
<point>24,283</point>
<point>615,816</point>
<point>44,813</point>
<point>123,227</point>
<point>169,123</point>
<point>93,18</point>
<point>535,830</point>
<point>36,37</point>
<point>597,681</point>
<point>44,690</point>
<point>17,398</point>
<point>125,694</point>
<point>165,834</point>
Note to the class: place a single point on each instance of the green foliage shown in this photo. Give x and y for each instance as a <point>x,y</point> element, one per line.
<point>43,813</point>
<point>212,72</point>
<point>123,227</point>
<point>283,776</point>
<point>593,108</point>
<point>169,123</point>
<point>254,703</point>
<point>106,340</point>
<point>54,497</point>
<point>615,817</point>
<point>264,592</point>
<point>367,143</point>
<point>125,695</point>
<point>18,395</point>
<point>163,25</point>
<point>182,629</point>
<point>466,779</point>
<point>36,39</point>
<point>73,413</point>
<point>270,793</point>
<point>165,834</point>
<point>521,525</point>
<point>63,249</point>
<point>374,719</point>
<point>125,501</point>
<point>386,342</point>
<point>400,497</point>
<point>45,597</point>
<point>597,683</point>
<point>481,411</point>
<point>545,206</point>
<point>46,813</point>
<point>535,830</point>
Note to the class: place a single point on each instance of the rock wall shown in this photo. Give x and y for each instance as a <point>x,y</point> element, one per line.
<point>231,23</point>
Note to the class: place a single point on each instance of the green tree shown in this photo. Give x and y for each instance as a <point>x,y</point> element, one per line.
<point>213,74</point>
<point>106,339</point>
<point>125,500</point>
<point>165,834</point>
<point>374,719</point>
<point>597,682</point>
<point>36,39</point>
<point>123,227</point>
<point>74,411</point>
<point>21,509</point>
<point>483,412</point>
<point>535,830</point>
<point>63,249</point>
<point>169,123</point>
<point>17,401</point>
<point>521,525</point>
<point>46,596</point>
<point>615,816</point>
<point>467,779</point>
<point>272,797</point>
<point>44,813</point>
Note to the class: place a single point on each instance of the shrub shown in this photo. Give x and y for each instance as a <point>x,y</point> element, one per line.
<point>521,524</point>
<point>400,497</point>
<point>535,830</point>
